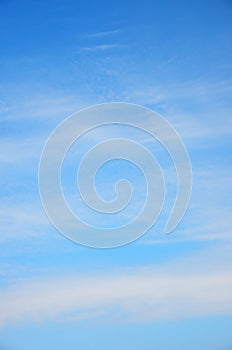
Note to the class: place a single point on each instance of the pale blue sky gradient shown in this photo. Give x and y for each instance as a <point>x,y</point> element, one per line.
<point>160,292</point>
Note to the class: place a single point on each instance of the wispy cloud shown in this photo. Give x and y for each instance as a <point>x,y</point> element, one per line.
<point>148,293</point>
<point>186,237</point>
<point>15,151</point>
<point>102,47</point>
<point>44,107</point>
<point>20,220</point>
<point>104,33</point>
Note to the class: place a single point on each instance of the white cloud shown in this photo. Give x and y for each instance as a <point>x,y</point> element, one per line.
<point>189,237</point>
<point>191,287</point>
<point>47,107</point>
<point>104,33</point>
<point>16,151</point>
<point>20,219</point>
<point>101,47</point>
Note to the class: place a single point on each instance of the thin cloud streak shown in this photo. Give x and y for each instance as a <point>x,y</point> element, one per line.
<point>140,295</point>
<point>104,33</point>
<point>182,238</point>
<point>102,47</point>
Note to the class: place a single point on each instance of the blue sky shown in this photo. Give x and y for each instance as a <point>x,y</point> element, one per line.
<point>160,292</point>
